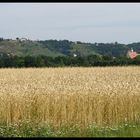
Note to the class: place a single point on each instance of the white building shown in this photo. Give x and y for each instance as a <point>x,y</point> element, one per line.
<point>74,55</point>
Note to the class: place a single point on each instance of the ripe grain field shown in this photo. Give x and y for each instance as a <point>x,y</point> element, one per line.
<point>99,96</point>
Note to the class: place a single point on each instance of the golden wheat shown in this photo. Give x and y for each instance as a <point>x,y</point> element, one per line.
<point>59,96</point>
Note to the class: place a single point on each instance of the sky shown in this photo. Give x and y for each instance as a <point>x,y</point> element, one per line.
<point>85,22</point>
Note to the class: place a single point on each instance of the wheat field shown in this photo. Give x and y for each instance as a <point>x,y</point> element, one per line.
<point>63,96</point>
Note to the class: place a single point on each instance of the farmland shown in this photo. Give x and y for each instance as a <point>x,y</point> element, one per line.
<point>102,97</point>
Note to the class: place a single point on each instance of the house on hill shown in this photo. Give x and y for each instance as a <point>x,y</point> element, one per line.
<point>23,39</point>
<point>132,54</point>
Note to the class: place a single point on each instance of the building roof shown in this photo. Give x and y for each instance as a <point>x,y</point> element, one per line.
<point>132,54</point>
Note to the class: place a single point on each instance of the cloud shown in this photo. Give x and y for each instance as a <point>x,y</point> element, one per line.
<point>77,21</point>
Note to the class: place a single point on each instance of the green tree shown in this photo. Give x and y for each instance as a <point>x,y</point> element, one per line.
<point>39,62</point>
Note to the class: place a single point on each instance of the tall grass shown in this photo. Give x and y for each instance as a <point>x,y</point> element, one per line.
<point>70,96</point>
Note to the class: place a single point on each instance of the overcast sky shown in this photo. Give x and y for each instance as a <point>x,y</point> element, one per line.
<point>86,22</point>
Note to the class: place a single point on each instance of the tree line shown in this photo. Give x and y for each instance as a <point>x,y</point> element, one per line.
<point>62,61</point>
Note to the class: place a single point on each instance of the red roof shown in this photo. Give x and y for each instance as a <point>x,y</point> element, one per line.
<point>132,54</point>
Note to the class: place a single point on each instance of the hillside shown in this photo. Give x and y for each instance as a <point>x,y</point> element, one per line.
<point>56,48</point>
